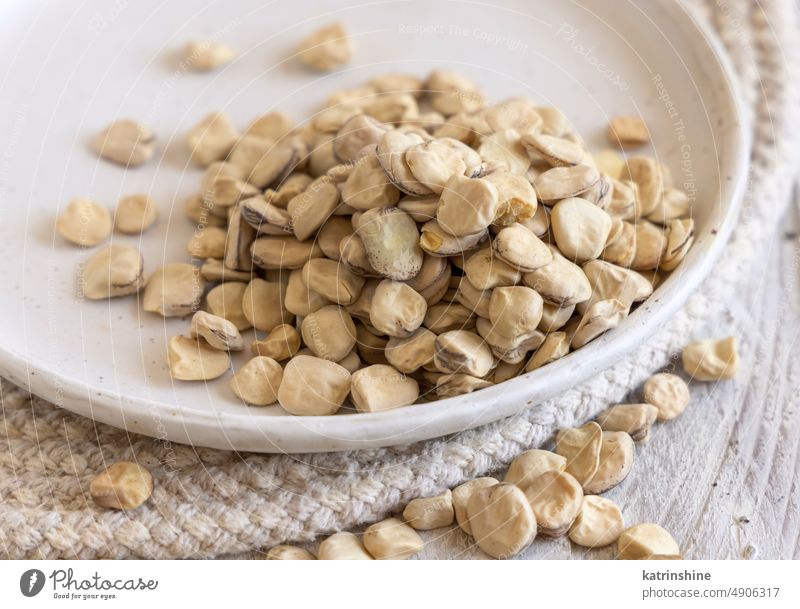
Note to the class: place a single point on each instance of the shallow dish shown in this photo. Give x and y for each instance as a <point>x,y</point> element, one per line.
<point>71,70</point>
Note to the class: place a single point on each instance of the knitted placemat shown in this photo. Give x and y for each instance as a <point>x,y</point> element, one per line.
<point>208,503</point>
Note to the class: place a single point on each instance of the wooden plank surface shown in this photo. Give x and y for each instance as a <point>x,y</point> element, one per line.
<point>724,478</point>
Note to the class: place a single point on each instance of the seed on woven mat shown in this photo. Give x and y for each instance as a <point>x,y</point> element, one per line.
<point>556,498</point>
<point>122,486</point>
<point>461,495</point>
<point>501,519</point>
<point>126,143</point>
<point>342,546</point>
<point>257,382</point>
<point>667,392</point>
<point>641,541</point>
<point>634,419</point>
<point>428,513</point>
<point>580,446</point>
<point>284,552</point>
<point>392,539</point>
<point>115,270</point>
<point>84,222</point>
<point>531,464</point>
<point>599,523</point>
<point>711,360</point>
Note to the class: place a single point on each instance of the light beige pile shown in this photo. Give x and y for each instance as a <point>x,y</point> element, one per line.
<point>209,503</point>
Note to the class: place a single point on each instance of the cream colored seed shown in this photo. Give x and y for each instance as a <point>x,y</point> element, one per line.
<point>313,386</point>
<point>643,540</point>
<point>332,281</point>
<point>515,311</point>
<point>257,382</point>
<point>135,214</point>
<point>203,56</point>
<point>501,519</point>
<point>397,310</point>
<point>115,270</point>
<point>329,332</point>
<point>668,393</point>
<point>174,290</point>
<point>208,242</point>
<point>342,546</point>
<point>368,185</point>
<point>531,464</point>
<point>391,242</point>
<point>284,552</point>
<point>428,513</point>
<point>599,318</point>
<point>392,539</point>
<point>520,248</point>
<point>281,343</point>
<point>467,205</point>
<point>617,454</point>
<point>193,359</point>
<point>126,143</point>
<point>564,182</point>
<point>505,150</point>
<point>211,139</point>
<point>580,446</point>
<point>711,360</point>
<point>461,495</point>
<point>555,346</point>
<point>580,229</point>
<point>226,300</point>
<point>218,331</point>
<point>380,387</point>
<point>485,270</point>
<point>680,237</point>
<point>556,499</point>
<point>598,524</point>
<point>461,351</point>
<point>628,132</point>
<point>634,419</point>
<point>560,282</point>
<point>326,49</point>
<point>123,486</point>
<point>84,223</point>
<point>451,385</point>
<point>263,304</point>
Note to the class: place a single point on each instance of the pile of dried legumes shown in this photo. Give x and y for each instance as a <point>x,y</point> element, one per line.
<point>409,240</point>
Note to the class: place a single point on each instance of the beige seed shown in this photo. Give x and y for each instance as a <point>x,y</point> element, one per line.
<point>648,175</point>
<point>313,386</point>
<point>438,242</point>
<point>283,252</point>
<point>410,353</point>
<point>122,486</point>
<point>262,304</point>
<point>329,332</point>
<point>467,205</point>
<point>451,385</point>
<point>211,139</point>
<point>271,126</point>
<point>368,186</point>
<point>433,163</point>
<point>208,242</point>
<point>342,546</point>
<point>355,135</point>
<point>634,419</point>
<point>84,223</point>
<point>392,539</point>
<point>226,300</point>
<point>559,282</point>
<point>680,237</point>
<point>580,446</point>
<point>515,311</point>
<point>461,351</point>
<point>554,318</point>
<point>628,132</point>
<point>580,229</point>
<point>327,48</point>
<point>391,242</point>
<point>428,513</point>
<point>643,540</point>
<point>311,208</point>
<point>617,454</point>
<point>564,182</point>
<point>332,280</point>
<point>599,318</point>
<point>115,270</point>
<point>501,519</point>
<point>668,393</point>
<point>711,360</point>
<point>397,310</point>
<point>174,290</point>
<point>380,387</point>
<point>203,56</point>
<point>554,347</point>
<point>531,464</point>
<point>257,382</point>
<point>284,552</point>
<point>218,331</point>
<point>505,150</point>
<point>282,343</point>
<point>446,316</point>
<point>135,214</point>
<point>598,524</point>
<point>520,248</point>
<point>126,143</point>
<point>556,499</point>
<point>485,270</point>
<point>193,359</point>
<point>461,495</point>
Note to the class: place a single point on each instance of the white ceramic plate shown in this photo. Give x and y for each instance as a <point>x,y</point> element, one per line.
<point>70,68</point>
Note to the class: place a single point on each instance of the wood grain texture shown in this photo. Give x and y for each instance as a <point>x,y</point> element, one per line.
<point>724,478</point>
